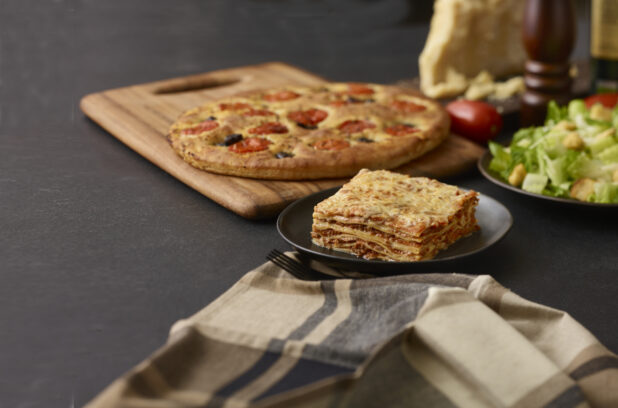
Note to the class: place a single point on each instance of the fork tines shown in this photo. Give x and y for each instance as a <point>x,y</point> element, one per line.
<point>294,267</point>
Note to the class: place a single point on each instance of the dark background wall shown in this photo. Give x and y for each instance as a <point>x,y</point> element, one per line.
<point>100,252</point>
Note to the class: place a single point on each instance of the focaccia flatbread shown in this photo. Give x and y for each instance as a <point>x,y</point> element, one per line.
<point>293,133</point>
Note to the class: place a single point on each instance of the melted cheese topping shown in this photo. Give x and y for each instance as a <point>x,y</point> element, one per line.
<point>404,201</point>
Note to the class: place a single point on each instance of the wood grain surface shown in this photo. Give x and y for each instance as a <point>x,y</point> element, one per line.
<point>140,116</point>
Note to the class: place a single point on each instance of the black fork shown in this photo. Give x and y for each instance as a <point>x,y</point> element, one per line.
<point>296,268</point>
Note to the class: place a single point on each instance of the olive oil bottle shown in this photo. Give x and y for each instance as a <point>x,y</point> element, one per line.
<point>604,45</point>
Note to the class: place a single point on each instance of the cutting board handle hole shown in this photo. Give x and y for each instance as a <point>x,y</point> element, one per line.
<point>195,85</point>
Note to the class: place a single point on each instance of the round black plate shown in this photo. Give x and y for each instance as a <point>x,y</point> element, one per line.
<point>483,165</point>
<point>294,225</point>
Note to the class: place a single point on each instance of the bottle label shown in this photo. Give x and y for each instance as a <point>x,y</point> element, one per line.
<point>604,29</point>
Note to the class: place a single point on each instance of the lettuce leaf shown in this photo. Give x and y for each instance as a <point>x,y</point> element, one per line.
<point>605,192</point>
<point>501,162</point>
<point>555,113</point>
<point>535,183</point>
<point>551,166</point>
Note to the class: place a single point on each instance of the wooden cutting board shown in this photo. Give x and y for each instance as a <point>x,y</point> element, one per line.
<point>140,116</point>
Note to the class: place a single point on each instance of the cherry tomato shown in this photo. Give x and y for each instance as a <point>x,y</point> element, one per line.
<point>258,112</point>
<point>400,130</point>
<point>281,96</point>
<point>308,118</point>
<point>475,120</point>
<point>269,127</point>
<point>609,100</point>
<point>250,145</point>
<point>331,144</point>
<point>234,106</point>
<point>355,126</point>
<point>338,103</point>
<point>201,127</point>
<point>407,107</point>
<point>359,89</point>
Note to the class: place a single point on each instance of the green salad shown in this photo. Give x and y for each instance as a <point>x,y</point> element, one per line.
<point>574,155</point>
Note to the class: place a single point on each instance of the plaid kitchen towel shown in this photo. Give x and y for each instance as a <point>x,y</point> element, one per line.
<point>419,340</point>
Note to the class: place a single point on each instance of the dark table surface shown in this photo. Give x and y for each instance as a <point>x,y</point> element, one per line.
<point>100,251</point>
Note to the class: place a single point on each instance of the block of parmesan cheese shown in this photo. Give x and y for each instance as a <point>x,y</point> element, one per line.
<point>467,37</point>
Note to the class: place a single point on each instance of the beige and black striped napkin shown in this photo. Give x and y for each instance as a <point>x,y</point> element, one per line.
<point>430,340</point>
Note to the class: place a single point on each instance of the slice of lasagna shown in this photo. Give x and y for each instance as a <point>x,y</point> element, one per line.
<point>391,216</point>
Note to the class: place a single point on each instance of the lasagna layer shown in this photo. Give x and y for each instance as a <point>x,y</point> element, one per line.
<point>390,216</point>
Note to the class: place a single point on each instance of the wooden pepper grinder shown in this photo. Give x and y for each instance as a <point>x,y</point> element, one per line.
<point>548,35</point>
